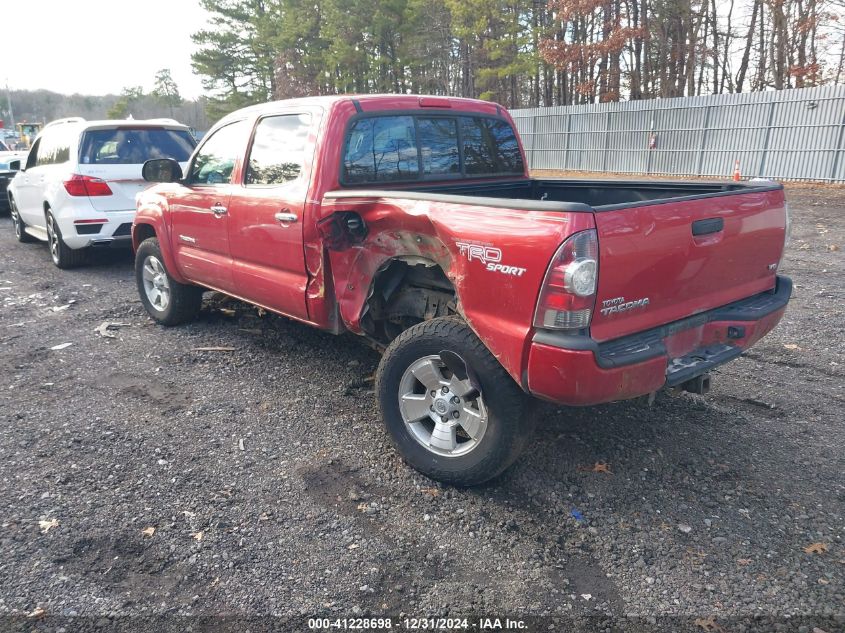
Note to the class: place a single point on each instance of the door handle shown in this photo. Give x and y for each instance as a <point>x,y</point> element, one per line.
<point>218,210</point>
<point>286,216</point>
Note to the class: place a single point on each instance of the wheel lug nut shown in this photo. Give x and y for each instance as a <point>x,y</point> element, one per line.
<point>456,414</point>
<point>433,393</point>
<point>455,400</point>
<point>431,407</point>
<point>443,418</point>
<point>444,390</point>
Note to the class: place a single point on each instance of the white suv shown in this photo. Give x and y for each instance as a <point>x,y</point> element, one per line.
<point>77,188</point>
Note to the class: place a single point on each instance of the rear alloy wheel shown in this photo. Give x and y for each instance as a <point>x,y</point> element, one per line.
<point>451,409</point>
<point>19,225</point>
<point>62,255</point>
<point>165,299</point>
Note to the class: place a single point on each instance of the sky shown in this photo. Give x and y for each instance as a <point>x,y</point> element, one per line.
<point>98,47</point>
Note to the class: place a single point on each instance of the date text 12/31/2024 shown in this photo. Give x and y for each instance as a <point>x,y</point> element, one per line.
<point>416,624</point>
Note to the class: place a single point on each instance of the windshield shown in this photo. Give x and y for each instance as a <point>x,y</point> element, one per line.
<point>3,147</point>
<point>128,146</point>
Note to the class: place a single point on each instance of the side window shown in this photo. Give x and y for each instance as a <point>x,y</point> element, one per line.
<point>381,149</point>
<point>46,150</point>
<point>215,161</point>
<point>32,157</point>
<point>490,147</point>
<point>439,145</point>
<point>278,149</point>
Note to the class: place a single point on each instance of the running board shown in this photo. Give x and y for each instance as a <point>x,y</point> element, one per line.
<point>40,234</point>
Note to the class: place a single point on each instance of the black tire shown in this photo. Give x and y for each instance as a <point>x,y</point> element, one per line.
<point>184,302</point>
<point>19,225</point>
<point>62,255</point>
<point>509,420</point>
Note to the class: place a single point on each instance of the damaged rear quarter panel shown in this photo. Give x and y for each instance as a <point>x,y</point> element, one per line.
<point>498,306</point>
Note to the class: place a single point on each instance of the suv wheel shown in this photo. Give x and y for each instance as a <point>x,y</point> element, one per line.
<point>165,299</point>
<point>19,225</point>
<point>451,409</point>
<point>62,255</point>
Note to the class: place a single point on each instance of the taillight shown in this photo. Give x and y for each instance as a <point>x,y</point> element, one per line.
<point>78,185</point>
<point>568,294</point>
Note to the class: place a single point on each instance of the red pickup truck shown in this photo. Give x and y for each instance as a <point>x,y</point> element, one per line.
<point>413,221</point>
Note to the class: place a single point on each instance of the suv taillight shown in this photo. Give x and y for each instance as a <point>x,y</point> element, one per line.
<point>78,185</point>
<point>568,294</point>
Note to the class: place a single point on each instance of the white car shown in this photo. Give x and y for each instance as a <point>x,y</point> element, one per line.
<point>77,187</point>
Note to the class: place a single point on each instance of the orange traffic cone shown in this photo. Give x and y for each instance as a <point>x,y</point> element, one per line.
<point>737,175</point>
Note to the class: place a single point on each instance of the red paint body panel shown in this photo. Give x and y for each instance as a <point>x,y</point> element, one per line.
<point>649,251</point>
<point>645,250</point>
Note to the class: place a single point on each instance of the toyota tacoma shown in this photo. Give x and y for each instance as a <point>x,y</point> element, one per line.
<point>413,221</point>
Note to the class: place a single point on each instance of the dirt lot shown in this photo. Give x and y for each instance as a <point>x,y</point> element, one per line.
<point>142,477</point>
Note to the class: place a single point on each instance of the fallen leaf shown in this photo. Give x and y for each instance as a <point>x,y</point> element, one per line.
<point>598,467</point>
<point>743,561</point>
<point>61,346</point>
<point>791,346</point>
<point>430,492</point>
<point>708,624</point>
<point>261,311</point>
<point>214,349</point>
<point>815,548</point>
<point>228,311</point>
<point>148,531</point>
<point>37,612</point>
<point>362,507</point>
<point>46,526</point>
<point>197,536</point>
<point>353,546</point>
<point>587,596</point>
<point>833,247</point>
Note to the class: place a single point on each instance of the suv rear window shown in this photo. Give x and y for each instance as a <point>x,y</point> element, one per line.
<point>405,148</point>
<point>130,146</point>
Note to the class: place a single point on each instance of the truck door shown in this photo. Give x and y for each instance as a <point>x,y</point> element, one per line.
<point>199,210</point>
<point>266,213</point>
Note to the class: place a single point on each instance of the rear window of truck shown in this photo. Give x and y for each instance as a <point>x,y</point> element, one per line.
<point>128,146</point>
<point>412,147</point>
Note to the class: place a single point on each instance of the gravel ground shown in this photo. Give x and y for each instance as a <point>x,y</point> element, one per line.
<point>142,477</point>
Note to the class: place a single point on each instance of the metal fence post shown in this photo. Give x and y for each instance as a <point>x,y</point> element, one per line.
<point>704,129</point>
<point>762,167</point>
<point>840,146</point>
<point>653,131</point>
<point>568,137</point>
<point>606,141</point>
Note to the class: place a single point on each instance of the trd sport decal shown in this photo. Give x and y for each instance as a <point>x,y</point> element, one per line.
<point>490,256</point>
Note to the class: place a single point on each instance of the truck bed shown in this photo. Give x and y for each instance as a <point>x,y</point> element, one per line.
<point>667,249</point>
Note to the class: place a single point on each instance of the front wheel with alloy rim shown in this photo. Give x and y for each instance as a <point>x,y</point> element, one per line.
<point>165,299</point>
<point>451,409</point>
<point>62,255</point>
<point>19,225</point>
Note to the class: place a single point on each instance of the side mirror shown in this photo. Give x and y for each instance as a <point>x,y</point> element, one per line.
<point>15,165</point>
<point>161,170</point>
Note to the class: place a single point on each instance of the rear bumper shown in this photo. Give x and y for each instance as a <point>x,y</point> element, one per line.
<point>577,370</point>
<point>81,229</point>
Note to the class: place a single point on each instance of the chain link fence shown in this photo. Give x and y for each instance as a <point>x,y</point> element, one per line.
<point>784,135</point>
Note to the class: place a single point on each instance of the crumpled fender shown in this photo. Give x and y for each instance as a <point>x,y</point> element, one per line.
<point>152,211</point>
<point>468,242</point>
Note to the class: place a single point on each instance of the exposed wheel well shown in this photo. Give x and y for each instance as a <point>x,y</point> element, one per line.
<point>406,292</point>
<point>141,233</point>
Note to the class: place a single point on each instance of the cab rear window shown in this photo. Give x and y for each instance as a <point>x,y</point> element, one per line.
<point>410,147</point>
<point>128,146</point>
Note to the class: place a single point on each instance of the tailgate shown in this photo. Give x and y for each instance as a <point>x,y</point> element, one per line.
<point>662,262</point>
<point>123,180</point>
